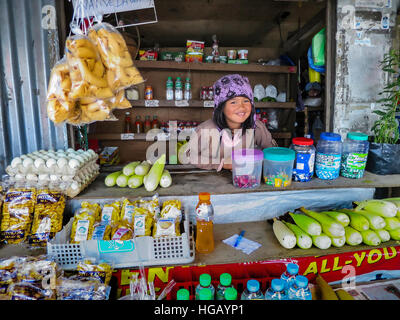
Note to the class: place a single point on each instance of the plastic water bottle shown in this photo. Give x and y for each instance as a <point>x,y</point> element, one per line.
<point>252,291</point>
<point>188,90</point>
<point>290,274</point>
<point>170,89</point>
<point>230,294</point>
<point>183,294</point>
<point>277,291</point>
<point>299,289</point>
<point>204,282</point>
<point>225,282</point>
<point>205,294</point>
<point>178,89</point>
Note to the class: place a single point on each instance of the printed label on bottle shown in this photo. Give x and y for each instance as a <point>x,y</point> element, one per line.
<point>82,229</point>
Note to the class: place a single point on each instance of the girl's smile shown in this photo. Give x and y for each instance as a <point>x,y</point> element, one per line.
<point>236,111</point>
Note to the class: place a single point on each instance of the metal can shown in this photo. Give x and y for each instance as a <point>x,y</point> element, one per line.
<point>231,54</point>
<point>210,95</point>
<point>148,93</point>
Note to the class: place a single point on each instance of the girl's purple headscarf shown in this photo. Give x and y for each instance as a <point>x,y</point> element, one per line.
<point>231,86</point>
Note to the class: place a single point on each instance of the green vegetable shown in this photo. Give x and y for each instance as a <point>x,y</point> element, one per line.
<point>357,221</point>
<point>338,241</point>
<point>326,290</point>
<point>303,240</point>
<point>370,238</point>
<point>309,225</point>
<point>343,295</point>
<point>383,234</point>
<point>283,234</point>
<point>135,181</point>
<point>395,234</point>
<point>122,180</point>
<point>154,175</point>
<point>329,225</point>
<point>129,169</point>
<point>375,221</point>
<point>143,168</point>
<point>392,223</point>
<point>166,179</point>
<point>382,208</point>
<point>340,217</point>
<point>353,237</point>
<point>396,202</point>
<point>322,241</point>
<point>111,179</point>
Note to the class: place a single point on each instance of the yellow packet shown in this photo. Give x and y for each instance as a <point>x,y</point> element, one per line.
<point>128,209</point>
<point>166,227</point>
<point>172,209</point>
<point>95,207</point>
<point>121,232</point>
<point>111,213</point>
<point>102,271</point>
<point>142,224</point>
<point>152,205</point>
<point>101,231</point>
<point>82,226</point>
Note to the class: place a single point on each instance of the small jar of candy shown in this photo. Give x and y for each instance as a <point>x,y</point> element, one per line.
<point>303,169</point>
<point>328,156</point>
<point>355,154</point>
<point>278,166</point>
<point>247,168</point>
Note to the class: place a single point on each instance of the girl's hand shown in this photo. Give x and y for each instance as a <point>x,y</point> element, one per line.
<point>227,166</point>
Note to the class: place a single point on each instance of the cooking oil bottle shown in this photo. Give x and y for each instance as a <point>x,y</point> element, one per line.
<point>204,224</point>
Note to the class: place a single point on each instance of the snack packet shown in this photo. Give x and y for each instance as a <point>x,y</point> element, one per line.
<point>128,209</point>
<point>121,72</point>
<point>166,227</point>
<point>152,205</point>
<point>122,231</point>
<point>172,209</point>
<point>88,268</point>
<point>8,273</point>
<point>82,225</point>
<point>18,208</point>
<point>78,288</point>
<point>102,231</point>
<point>95,207</point>
<point>142,222</point>
<point>111,213</point>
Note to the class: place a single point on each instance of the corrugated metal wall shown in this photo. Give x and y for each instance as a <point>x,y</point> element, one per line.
<point>27,53</point>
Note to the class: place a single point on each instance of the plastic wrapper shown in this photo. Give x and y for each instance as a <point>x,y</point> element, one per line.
<point>153,205</point>
<point>101,231</point>
<point>89,268</point>
<point>111,213</point>
<point>172,209</point>
<point>48,216</point>
<point>122,231</point>
<point>119,101</point>
<point>383,158</point>
<point>78,288</point>
<point>142,222</point>
<point>59,107</point>
<point>8,273</point>
<point>18,209</point>
<point>95,207</point>
<point>128,209</point>
<point>121,72</point>
<point>97,110</point>
<point>82,225</point>
<point>166,227</point>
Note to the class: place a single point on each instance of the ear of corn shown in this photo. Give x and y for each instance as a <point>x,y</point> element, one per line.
<point>375,221</point>
<point>357,221</point>
<point>154,175</point>
<point>322,241</point>
<point>283,234</point>
<point>383,234</point>
<point>129,169</point>
<point>326,290</point>
<point>303,240</point>
<point>343,295</point>
<point>392,223</point>
<point>309,225</point>
<point>370,238</point>
<point>353,237</point>
<point>395,234</point>
<point>340,217</point>
<point>111,179</point>
<point>135,181</point>
<point>382,208</point>
<point>329,225</point>
<point>338,241</point>
<point>396,202</point>
<point>122,180</point>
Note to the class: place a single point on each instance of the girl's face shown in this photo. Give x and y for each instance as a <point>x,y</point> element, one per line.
<point>236,111</point>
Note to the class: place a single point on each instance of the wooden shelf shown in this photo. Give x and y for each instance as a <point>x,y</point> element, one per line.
<point>223,67</point>
<point>200,104</point>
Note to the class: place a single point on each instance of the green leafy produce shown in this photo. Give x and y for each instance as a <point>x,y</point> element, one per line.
<point>340,217</point>
<point>375,221</point>
<point>357,221</point>
<point>283,234</point>
<point>153,177</point>
<point>323,241</point>
<point>122,181</point>
<point>370,238</point>
<point>382,208</point>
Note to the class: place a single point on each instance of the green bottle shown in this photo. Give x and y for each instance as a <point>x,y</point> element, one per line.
<point>225,281</point>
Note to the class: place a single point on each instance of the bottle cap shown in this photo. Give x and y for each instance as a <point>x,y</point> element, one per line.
<point>301,281</point>
<point>204,196</point>
<point>329,136</point>
<point>182,294</point>
<point>357,136</point>
<point>292,268</point>
<point>301,141</point>
<point>205,294</point>
<point>230,294</point>
<point>225,279</point>
<point>205,280</point>
<point>277,284</point>
<point>253,285</point>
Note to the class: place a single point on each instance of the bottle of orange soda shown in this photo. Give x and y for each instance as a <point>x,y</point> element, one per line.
<point>204,224</point>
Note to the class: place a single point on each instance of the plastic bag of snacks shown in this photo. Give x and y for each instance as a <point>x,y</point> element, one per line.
<point>119,101</point>
<point>98,110</point>
<point>122,231</point>
<point>121,72</point>
<point>153,205</point>
<point>59,107</point>
<point>128,209</point>
<point>8,273</point>
<point>18,209</point>
<point>111,213</point>
<point>48,216</point>
<point>78,288</point>
<point>172,209</point>
<point>95,207</point>
<point>89,268</point>
<point>142,222</point>
<point>87,72</point>
<point>83,225</point>
<point>101,231</point>
<point>166,227</point>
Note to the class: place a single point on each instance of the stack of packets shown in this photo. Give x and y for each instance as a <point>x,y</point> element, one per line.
<point>194,51</point>
<point>32,215</point>
<point>125,219</point>
<point>109,156</point>
<point>90,80</point>
<point>40,278</point>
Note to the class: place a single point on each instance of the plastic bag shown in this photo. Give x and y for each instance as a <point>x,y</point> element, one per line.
<point>142,221</point>
<point>111,213</point>
<point>383,158</point>
<point>121,72</point>
<point>102,231</point>
<point>318,48</point>
<point>259,92</point>
<point>122,231</point>
<point>172,209</point>
<point>8,273</point>
<point>18,209</point>
<point>128,209</point>
<point>119,101</point>
<point>89,268</point>
<point>76,288</point>
<point>82,225</point>
<point>166,227</point>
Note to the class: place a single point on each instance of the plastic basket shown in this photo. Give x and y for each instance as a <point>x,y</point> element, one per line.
<point>66,255</point>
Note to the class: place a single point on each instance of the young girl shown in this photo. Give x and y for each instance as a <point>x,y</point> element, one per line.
<point>233,125</point>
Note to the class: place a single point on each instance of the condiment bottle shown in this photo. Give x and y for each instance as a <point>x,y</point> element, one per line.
<point>204,224</point>
<point>138,125</point>
<point>154,124</point>
<point>128,124</point>
<point>147,124</point>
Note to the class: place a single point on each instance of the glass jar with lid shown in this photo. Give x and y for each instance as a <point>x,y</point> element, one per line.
<point>303,169</point>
